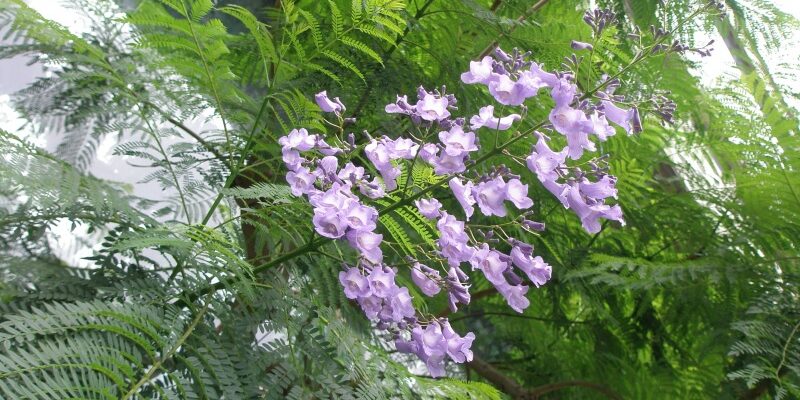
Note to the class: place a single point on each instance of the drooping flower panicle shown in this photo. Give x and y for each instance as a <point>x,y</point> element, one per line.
<point>341,190</point>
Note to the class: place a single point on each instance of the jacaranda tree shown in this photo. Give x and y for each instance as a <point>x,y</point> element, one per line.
<point>403,199</point>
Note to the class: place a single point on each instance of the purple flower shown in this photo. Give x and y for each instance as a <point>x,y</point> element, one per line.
<point>557,189</point>
<point>405,346</point>
<point>590,210</point>
<point>537,78</point>
<point>490,196</point>
<point>367,243</point>
<point>291,158</point>
<point>533,80</point>
<point>463,194</point>
<point>537,270</point>
<point>453,240</point>
<point>371,305</point>
<point>355,284</point>
<point>456,291</point>
<point>360,217</point>
<point>401,148</point>
<point>454,251</point>
<point>458,348</point>
<point>429,208</point>
<point>451,228</point>
<point>373,190</point>
<point>327,149</point>
<point>351,173</point>
<point>381,281</point>
<point>400,106</point>
<point>600,126</point>
<point>517,193</point>
<point>428,152</point>
<point>379,155</point>
<point>627,119</point>
<point>298,139</point>
<point>329,224</point>
<point>327,104</point>
<point>514,295</point>
<point>447,164</point>
<point>508,92</point>
<point>431,347</point>
<point>336,198</point>
<point>457,142</point>
<point>479,71</point>
<point>433,342</point>
<point>422,277</point>
<point>576,45</point>
<point>563,93</point>
<point>491,263</point>
<point>328,166</point>
<point>301,181</point>
<point>400,304</point>
<point>573,124</point>
<point>486,118</point>
<point>545,162</point>
<point>432,108</point>
<point>389,176</point>
<point>601,189</point>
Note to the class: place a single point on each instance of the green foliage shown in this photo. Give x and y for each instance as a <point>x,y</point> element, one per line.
<point>695,297</point>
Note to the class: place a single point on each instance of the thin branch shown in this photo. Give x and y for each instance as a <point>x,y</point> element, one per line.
<point>517,391</point>
<point>490,48</point>
<point>157,365</point>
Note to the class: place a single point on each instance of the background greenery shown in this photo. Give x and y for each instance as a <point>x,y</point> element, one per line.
<point>697,297</point>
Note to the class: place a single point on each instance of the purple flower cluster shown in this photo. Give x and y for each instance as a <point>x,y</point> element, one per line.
<point>341,194</point>
<point>573,187</point>
<point>510,79</point>
<point>431,106</point>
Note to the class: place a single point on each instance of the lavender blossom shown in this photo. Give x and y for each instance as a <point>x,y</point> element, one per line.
<point>576,45</point>
<point>329,224</point>
<point>600,126</point>
<point>507,91</point>
<point>535,268</point>
<point>381,281</point>
<point>432,108</point>
<point>517,193</point>
<point>429,208</point>
<point>627,119</point>
<point>458,348</point>
<point>463,193</point>
<point>355,284</point>
<point>486,118</point>
<point>298,139</point>
<point>291,158</point>
<point>590,210</point>
<point>573,124</point>
<point>367,243</point>
<point>479,71</point>
<point>514,295</point>
<point>490,196</point>
<point>544,162</point>
<point>421,275</point>
<point>491,263</point>
<point>457,142</point>
<point>328,105</point>
<point>301,181</point>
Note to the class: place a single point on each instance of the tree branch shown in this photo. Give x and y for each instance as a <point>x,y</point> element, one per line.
<point>520,19</point>
<point>519,392</point>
